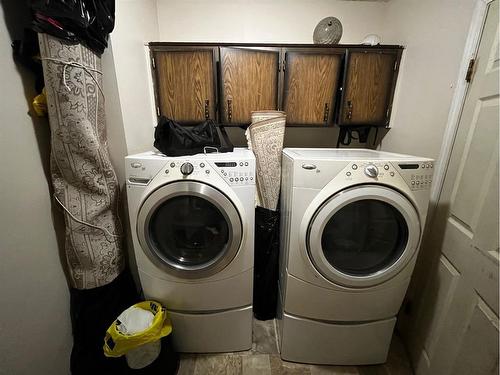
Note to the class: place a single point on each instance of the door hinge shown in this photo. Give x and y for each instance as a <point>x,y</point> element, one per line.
<point>153,64</point>
<point>284,64</point>
<point>395,65</point>
<point>470,70</point>
<point>158,111</point>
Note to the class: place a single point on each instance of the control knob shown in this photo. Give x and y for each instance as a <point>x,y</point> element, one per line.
<point>187,169</point>
<point>371,170</point>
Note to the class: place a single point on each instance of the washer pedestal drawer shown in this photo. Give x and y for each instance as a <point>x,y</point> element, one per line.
<point>310,341</point>
<point>225,331</point>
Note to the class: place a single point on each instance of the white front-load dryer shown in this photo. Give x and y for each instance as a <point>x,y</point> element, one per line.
<point>352,221</point>
<point>192,224</point>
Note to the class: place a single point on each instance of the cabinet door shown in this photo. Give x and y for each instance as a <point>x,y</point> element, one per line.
<point>369,81</point>
<point>249,82</point>
<point>185,83</point>
<point>310,85</point>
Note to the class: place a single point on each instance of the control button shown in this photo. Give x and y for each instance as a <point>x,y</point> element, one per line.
<point>386,167</point>
<point>354,166</point>
<point>236,179</point>
<point>136,165</point>
<point>202,165</point>
<point>231,179</point>
<point>187,169</point>
<point>423,165</point>
<point>246,178</point>
<point>392,174</point>
<point>207,171</point>
<point>251,178</point>
<point>348,174</point>
<point>222,171</point>
<point>246,164</point>
<point>418,182</point>
<point>241,164</point>
<point>413,182</point>
<point>166,171</point>
<point>172,165</point>
<point>371,171</point>
<point>432,165</point>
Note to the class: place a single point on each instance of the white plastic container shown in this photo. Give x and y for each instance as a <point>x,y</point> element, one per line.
<point>144,355</point>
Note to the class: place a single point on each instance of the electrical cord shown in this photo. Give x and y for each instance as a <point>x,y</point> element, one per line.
<point>66,64</point>
<point>84,222</point>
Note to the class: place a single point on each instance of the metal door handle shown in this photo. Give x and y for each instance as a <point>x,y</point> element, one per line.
<point>207,112</point>
<point>229,110</point>
<point>349,109</point>
<point>308,166</point>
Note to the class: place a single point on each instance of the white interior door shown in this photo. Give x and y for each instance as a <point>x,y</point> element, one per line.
<point>455,327</point>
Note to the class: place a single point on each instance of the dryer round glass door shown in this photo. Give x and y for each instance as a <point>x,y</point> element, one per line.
<point>363,236</point>
<point>190,229</point>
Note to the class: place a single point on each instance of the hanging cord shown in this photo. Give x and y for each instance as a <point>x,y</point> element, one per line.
<point>87,69</point>
<point>84,222</point>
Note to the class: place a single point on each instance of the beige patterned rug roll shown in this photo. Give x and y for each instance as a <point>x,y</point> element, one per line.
<point>84,181</point>
<point>265,138</point>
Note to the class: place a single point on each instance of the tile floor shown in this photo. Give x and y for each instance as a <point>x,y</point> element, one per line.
<point>263,359</point>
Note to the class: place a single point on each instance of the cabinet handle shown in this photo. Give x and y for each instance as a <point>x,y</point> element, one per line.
<point>349,109</point>
<point>229,109</point>
<point>325,113</point>
<point>207,112</point>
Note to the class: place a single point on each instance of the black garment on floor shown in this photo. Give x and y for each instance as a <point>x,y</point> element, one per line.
<point>92,312</point>
<point>266,263</point>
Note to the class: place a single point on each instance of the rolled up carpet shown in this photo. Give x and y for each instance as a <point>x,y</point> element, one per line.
<point>265,138</point>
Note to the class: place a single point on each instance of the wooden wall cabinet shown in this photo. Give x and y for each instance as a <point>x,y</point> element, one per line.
<point>248,82</point>
<point>315,85</point>
<point>368,88</point>
<point>311,80</point>
<point>185,81</point>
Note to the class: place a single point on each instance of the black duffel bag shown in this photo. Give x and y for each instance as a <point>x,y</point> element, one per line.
<point>174,139</point>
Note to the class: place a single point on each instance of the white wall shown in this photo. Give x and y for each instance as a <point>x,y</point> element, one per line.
<point>114,119</point>
<point>434,34</point>
<point>136,23</point>
<point>35,330</point>
<point>286,21</point>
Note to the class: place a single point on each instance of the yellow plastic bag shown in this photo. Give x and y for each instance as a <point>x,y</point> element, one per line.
<point>117,344</point>
<point>40,104</point>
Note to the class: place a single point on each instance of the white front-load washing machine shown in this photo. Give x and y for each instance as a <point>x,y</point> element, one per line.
<point>192,225</point>
<point>352,221</point>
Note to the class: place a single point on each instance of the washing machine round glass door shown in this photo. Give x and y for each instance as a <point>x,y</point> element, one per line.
<point>189,229</point>
<point>363,236</point>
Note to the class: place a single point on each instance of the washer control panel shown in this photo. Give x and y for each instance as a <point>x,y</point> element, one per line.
<point>233,172</point>
<point>236,172</point>
<point>418,176</point>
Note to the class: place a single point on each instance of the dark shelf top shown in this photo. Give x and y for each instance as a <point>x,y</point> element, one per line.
<point>285,45</point>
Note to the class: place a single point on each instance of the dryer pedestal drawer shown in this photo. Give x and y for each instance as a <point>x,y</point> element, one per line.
<point>309,341</point>
<point>225,331</point>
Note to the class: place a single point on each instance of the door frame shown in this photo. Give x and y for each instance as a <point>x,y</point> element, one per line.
<point>457,103</point>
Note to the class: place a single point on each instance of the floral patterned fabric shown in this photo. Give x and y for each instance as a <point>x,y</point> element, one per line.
<point>84,181</point>
<point>265,138</point>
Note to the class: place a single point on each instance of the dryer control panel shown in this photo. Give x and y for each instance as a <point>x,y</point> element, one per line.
<point>236,172</point>
<point>418,176</point>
